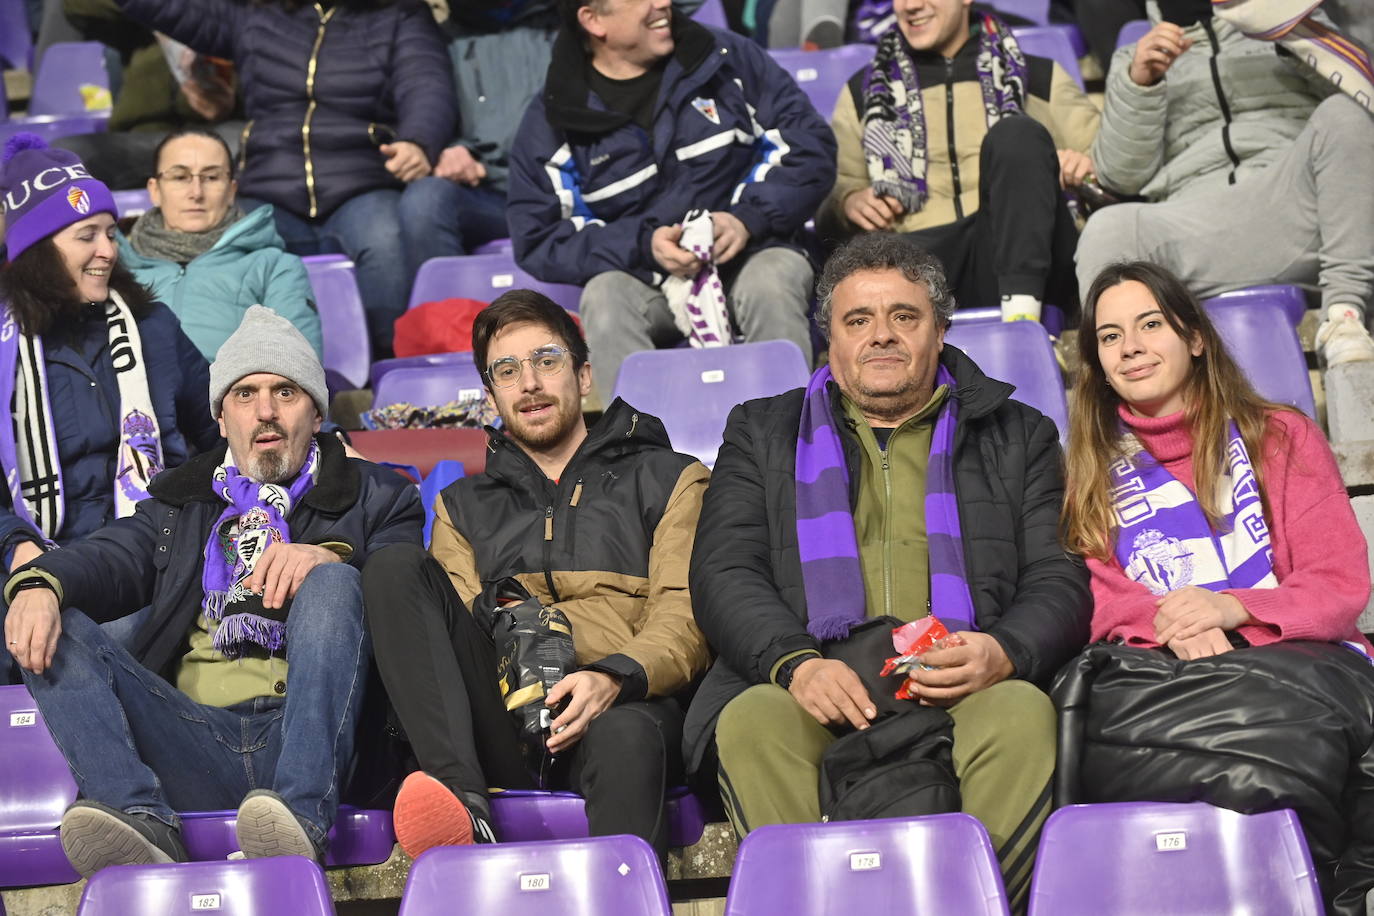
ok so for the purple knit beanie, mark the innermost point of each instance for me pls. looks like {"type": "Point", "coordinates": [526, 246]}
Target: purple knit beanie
{"type": "Point", "coordinates": [45, 190]}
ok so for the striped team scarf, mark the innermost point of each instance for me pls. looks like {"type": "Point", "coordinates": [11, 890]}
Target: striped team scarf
{"type": "Point", "coordinates": [1290, 23]}
{"type": "Point", "coordinates": [1164, 540]}
{"type": "Point", "coordinates": [831, 571]}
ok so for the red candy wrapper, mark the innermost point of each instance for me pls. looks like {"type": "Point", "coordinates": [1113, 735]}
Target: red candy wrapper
{"type": "Point", "coordinates": [912, 640]}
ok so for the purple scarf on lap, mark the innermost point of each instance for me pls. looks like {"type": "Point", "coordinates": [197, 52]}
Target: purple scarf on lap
{"type": "Point", "coordinates": [255, 517]}
{"type": "Point", "coordinates": [831, 572]}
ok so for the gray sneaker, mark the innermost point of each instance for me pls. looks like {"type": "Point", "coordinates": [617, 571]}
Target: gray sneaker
{"type": "Point", "coordinates": [267, 827]}
{"type": "Point", "coordinates": [95, 835]}
{"type": "Point", "coordinates": [1344, 339]}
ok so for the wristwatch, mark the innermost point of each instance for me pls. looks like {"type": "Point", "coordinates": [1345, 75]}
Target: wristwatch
{"type": "Point", "coordinates": [788, 669]}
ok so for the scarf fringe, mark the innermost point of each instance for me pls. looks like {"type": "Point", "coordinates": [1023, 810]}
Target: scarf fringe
{"type": "Point", "coordinates": [237, 631]}
{"type": "Point", "coordinates": [831, 626]}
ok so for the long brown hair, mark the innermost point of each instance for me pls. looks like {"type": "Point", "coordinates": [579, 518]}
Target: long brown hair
{"type": "Point", "coordinates": [1216, 392]}
{"type": "Point", "coordinates": [42, 295]}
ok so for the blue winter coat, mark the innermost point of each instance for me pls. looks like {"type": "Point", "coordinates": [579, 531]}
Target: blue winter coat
{"type": "Point", "coordinates": [85, 404]}
{"type": "Point", "coordinates": [246, 266]}
{"type": "Point", "coordinates": [731, 132]}
{"type": "Point", "coordinates": [311, 139]}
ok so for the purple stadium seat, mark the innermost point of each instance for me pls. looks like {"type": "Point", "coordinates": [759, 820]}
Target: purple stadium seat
{"type": "Point", "coordinates": [66, 67]}
{"type": "Point", "coordinates": [283, 886]}
{"type": "Point", "coordinates": [359, 836]}
{"type": "Point", "coordinates": [428, 386]}
{"type": "Point", "coordinates": [1132, 32]}
{"type": "Point", "coordinates": [1053, 42]}
{"type": "Point", "coordinates": [382, 366]}
{"type": "Point", "coordinates": [524, 816]}
{"type": "Point", "coordinates": [612, 875]}
{"type": "Point", "coordinates": [1051, 317]}
{"type": "Point", "coordinates": [711, 13]}
{"type": "Point", "coordinates": [35, 788]}
{"type": "Point", "coordinates": [16, 38]}
{"type": "Point", "coordinates": [1157, 858]}
{"type": "Point", "coordinates": [495, 246]}
{"type": "Point", "coordinates": [483, 277]}
{"type": "Point", "coordinates": [347, 347]}
{"type": "Point", "coordinates": [1291, 299]}
{"type": "Point", "coordinates": [1018, 352]}
{"type": "Point", "coordinates": [132, 203]}
{"type": "Point", "coordinates": [1035, 11]}
{"type": "Point", "coordinates": [822, 74]}
{"type": "Point", "coordinates": [692, 391]}
{"type": "Point", "coordinates": [1267, 348]}
{"type": "Point", "coordinates": [938, 864]}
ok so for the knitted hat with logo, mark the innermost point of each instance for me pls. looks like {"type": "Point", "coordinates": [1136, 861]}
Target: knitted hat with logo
{"type": "Point", "coordinates": [45, 190]}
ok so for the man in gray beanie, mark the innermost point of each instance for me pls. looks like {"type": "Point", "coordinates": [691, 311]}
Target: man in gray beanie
{"type": "Point", "coordinates": [243, 684]}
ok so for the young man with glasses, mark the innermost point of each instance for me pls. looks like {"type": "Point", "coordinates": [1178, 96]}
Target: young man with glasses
{"type": "Point", "coordinates": [597, 523]}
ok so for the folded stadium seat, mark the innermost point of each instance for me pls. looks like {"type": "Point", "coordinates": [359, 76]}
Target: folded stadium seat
{"type": "Point", "coordinates": [522, 816]}
{"type": "Point", "coordinates": [822, 74]}
{"type": "Point", "coordinates": [444, 473]}
{"type": "Point", "coordinates": [343, 322]}
{"type": "Point", "coordinates": [360, 836]}
{"type": "Point", "coordinates": [429, 385]}
{"type": "Point", "coordinates": [1156, 858]}
{"type": "Point", "coordinates": [711, 13]}
{"type": "Point", "coordinates": [612, 875]}
{"type": "Point", "coordinates": [1018, 352]}
{"type": "Point", "coordinates": [1050, 41]}
{"type": "Point", "coordinates": [1291, 299]}
{"type": "Point", "coordinates": [1051, 317]}
{"type": "Point", "coordinates": [382, 366]}
{"type": "Point", "coordinates": [495, 246]}
{"type": "Point", "coordinates": [483, 277]}
{"type": "Point", "coordinates": [424, 448]}
{"type": "Point", "coordinates": [287, 884]}
{"type": "Point", "coordinates": [938, 864]}
{"type": "Point", "coordinates": [16, 41]}
{"type": "Point", "coordinates": [70, 79]}
{"type": "Point", "coordinates": [1132, 32]}
{"type": "Point", "coordinates": [35, 788]}
{"type": "Point", "coordinates": [1263, 341]}
{"type": "Point", "coordinates": [693, 390]}
{"type": "Point", "coordinates": [132, 203]}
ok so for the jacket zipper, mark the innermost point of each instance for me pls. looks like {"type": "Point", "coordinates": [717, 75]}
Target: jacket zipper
{"type": "Point", "coordinates": [887, 530]}
{"type": "Point", "coordinates": [949, 132]}
{"type": "Point", "coordinates": [310, 107]}
{"type": "Point", "coordinates": [243, 146]}
{"type": "Point", "coordinates": [548, 554]}
{"type": "Point", "coordinates": [475, 71]}
{"type": "Point", "coordinates": [1221, 101]}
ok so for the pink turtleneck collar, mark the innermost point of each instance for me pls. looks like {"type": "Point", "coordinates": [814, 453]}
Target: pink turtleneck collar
{"type": "Point", "coordinates": [1167, 438]}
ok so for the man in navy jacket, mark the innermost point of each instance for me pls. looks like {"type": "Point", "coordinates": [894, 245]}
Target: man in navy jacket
{"type": "Point", "coordinates": [644, 117]}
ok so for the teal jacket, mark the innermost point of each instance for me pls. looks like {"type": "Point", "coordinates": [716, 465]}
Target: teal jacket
{"type": "Point", "coordinates": [246, 266]}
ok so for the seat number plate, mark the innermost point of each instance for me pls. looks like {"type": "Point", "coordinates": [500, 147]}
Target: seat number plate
{"type": "Point", "coordinates": [1171, 842]}
{"type": "Point", "coordinates": [534, 882]}
{"type": "Point", "coordinates": [865, 861]}
{"type": "Point", "coordinates": [205, 901]}
{"type": "Point", "coordinates": [18, 719]}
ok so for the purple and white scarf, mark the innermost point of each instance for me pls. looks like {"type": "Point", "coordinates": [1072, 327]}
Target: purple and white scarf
{"type": "Point", "coordinates": [1164, 540]}
{"type": "Point", "coordinates": [893, 117]}
{"type": "Point", "coordinates": [255, 517]}
{"type": "Point", "coordinates": [28, 445]}
{"type": "Point", "coordinates": [831, 571]}
{"type": "Point", "coordinates": [698, 304]}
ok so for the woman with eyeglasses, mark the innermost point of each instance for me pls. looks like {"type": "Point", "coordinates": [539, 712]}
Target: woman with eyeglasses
{"type": "Point", "coordinates": [199, 253]}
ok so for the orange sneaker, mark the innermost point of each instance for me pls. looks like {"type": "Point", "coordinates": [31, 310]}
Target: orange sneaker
{"type": "Point", "coordinates": [428, 814]}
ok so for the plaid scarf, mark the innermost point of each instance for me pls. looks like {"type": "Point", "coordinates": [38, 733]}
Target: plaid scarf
{"type": "Point", "coordinates": [893, 117]}
{"type": "Point", "coordinates": [1289, 23]}
{"type": "Point", "coordinates": [831, 571]}
{"type": "Point", "coordinates": [255, 517]}
{"type": "Point", "coordinates": [1164, 540]}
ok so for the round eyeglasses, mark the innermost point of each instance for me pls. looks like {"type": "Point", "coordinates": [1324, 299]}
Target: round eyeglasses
{"type": "Point", "coordinates": [505, 372]}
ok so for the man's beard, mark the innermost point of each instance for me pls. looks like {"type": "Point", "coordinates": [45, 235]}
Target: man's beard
{"type": "Point", "coordinates": [566, 414]}
{"type": "Point", "coordinates": [269, 467]}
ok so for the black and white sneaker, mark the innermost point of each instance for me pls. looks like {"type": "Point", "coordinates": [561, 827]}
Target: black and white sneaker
{"type": "Point", "coordinates": [267, 827]}
{"type": "Point", "coordinates": [95, 835]}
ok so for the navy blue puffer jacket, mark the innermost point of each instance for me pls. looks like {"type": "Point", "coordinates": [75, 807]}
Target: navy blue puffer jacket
{"type": "Point", "coordinates": [322, 86]}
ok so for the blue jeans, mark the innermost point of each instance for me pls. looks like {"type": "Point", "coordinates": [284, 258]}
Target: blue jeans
{"type": "Point", "coordinates": [387, 234]}
{"type": "Point", "coordinates": [136, 743]}
{"type": "Point", "coordinates": [471, 216]}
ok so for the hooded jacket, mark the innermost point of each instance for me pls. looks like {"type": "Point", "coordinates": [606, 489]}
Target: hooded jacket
{"type": "Point", "coordinates": [731, 132]}
{"type": "Point", "coordinates": [746, 574]}
{"type": "Point", "coordinates": [607, 543]}
{"type": "Point", "coordinates": [155, 558]}
{"type": "Point", "coordinates": [247, 266]}
{"type": "Point", "coordinates": [321, 89]}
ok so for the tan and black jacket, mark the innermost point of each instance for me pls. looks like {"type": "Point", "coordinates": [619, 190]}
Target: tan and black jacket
{"type": "Point", "coordinates": [609, 544]}
{"type": "Point", "coordinates": [956, 124]}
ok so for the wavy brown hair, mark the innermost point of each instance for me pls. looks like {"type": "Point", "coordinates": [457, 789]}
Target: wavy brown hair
{"type": "Point", "coordinates": [42, 295]}
{"type": "Point", "coordinates": [1216, 391]}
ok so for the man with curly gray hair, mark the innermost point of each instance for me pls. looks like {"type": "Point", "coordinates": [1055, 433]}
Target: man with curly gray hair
{"type": "Point", "coordinates": [900, 484]}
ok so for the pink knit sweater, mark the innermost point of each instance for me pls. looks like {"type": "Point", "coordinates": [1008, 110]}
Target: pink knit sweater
{"type": "Point", "coordinates": [1320, 556]}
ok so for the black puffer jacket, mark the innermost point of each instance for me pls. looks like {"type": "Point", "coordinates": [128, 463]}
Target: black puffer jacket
{"type": "Point", "coordinates": [746, 575]}
{"type": "Point", "coordinates": [157, 555]}
{"type": "Point", "coordinates": [321, 86]}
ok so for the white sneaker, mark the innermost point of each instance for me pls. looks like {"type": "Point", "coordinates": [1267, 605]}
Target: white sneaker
{"type": "Point", "coordinates": [1020, 307]}
{"type": "Point", "coordinates": [1342, 337]}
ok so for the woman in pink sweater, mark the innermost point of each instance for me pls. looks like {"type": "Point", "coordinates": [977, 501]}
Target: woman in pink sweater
{"type": "Point", "coordinates": [1267, 549]}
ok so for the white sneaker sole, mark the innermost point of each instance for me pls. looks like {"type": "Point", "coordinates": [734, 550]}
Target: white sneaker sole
{"type": "Point", "coordinates": [93, 839]}
{"type": "Point", "coordinates": [266, 828]}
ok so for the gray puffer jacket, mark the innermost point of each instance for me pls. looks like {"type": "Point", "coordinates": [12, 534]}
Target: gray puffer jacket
{"type": "Point", "coordinates": [1228, 107]}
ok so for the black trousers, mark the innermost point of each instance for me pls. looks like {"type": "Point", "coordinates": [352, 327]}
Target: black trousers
{"type": "Point", "coordinates": [1101, 22]}
{"type": "Point", "coordinates": [439, 668]}
{"type": "Point", "coordinates": [1022, 239]}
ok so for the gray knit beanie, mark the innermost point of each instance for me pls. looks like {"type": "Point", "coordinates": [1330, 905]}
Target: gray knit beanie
{"type": "Point", "coordinates": [267, 342]}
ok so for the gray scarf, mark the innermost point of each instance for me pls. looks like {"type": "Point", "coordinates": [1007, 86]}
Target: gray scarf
{"type": "Point", "coordinates": [151, 238]}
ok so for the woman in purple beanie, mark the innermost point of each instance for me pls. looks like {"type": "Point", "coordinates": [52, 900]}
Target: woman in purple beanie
{"type": "Point", "coordinates": [105, 388]}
